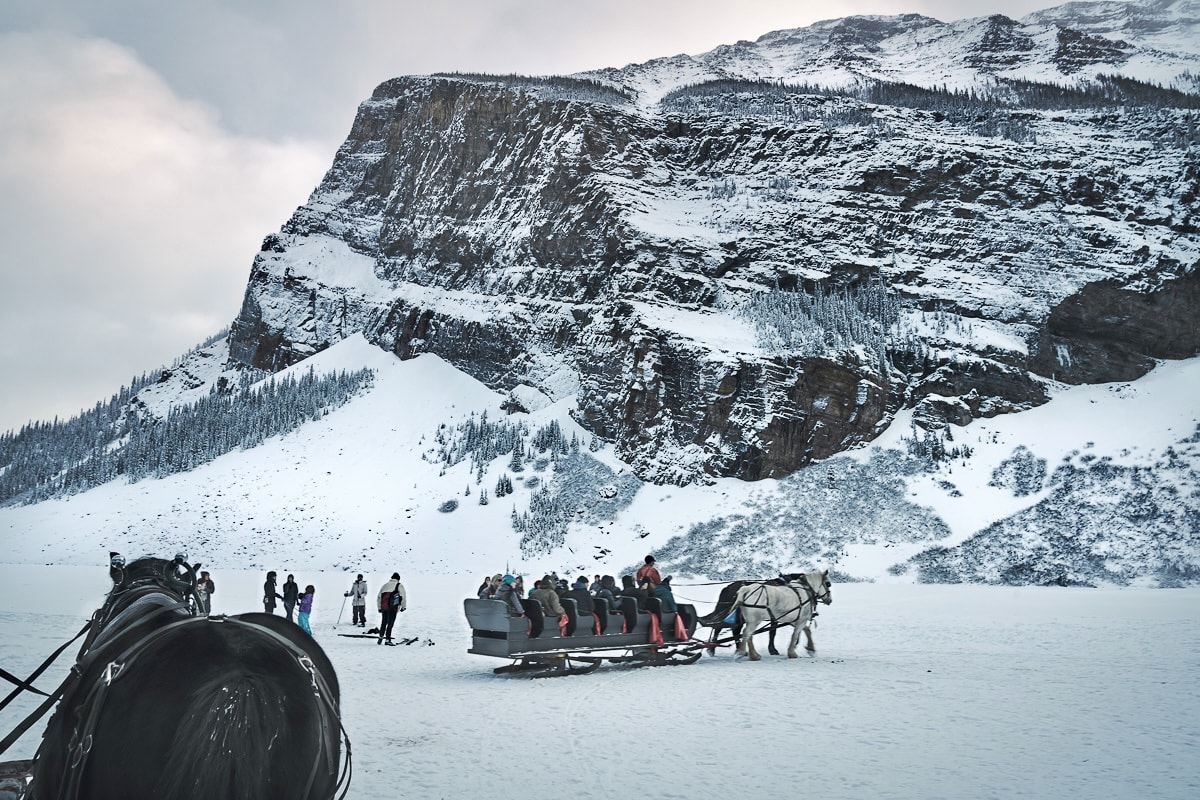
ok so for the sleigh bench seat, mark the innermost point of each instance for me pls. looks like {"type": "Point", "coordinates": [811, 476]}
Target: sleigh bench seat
{"type": "Point", "coordinates": [496, 632]}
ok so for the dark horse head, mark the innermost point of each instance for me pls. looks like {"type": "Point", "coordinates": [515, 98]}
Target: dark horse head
{"type": "Point", "coordinates": [162, 703]}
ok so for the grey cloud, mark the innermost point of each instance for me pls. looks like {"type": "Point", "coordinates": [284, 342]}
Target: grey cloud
{"type": "Point", "coordinates": [129, 220]}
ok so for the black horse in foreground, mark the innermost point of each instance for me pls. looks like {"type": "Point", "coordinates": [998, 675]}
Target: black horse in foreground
{"type": "Point", "coordinates": [716, 620]}
{"type": "Point", "coordinates": [165, 704]}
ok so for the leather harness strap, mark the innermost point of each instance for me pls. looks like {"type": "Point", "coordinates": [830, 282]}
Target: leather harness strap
{"type": "Point", "coordinates": [813, 597]}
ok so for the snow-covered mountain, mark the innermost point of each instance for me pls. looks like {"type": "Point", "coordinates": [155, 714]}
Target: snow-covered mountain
{"type": "Point", "coordinates": [945, 335]}
{"type": "Point", "coordinates": [643, 248]}
{"type": "Point", "coordinates": [1098, 485]}
{"type": "Point", "coordinates": [1150, 40]}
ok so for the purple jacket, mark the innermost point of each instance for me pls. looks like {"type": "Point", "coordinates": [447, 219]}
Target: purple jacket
{"type": "Point", "coordinates": [306, 602]}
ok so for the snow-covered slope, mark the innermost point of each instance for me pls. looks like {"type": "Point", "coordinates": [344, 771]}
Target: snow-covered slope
{"type": "Point", "coordinates": [368, 482]}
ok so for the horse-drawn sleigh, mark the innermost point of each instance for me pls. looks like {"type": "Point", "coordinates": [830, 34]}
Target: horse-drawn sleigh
{"type": "Point", "coordinates": [162, 702]}
{"type": "Point", "coordinates": [624, 633]}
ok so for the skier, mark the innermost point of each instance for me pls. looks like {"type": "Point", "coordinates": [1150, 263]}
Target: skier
{"type": "Point", "coordinates": [392, 599]}
{"type": "Point", "coordinates": [359, 604]}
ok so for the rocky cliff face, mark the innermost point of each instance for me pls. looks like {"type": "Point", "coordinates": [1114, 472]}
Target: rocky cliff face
{"type": "Point", "coordinates": [603, 240]}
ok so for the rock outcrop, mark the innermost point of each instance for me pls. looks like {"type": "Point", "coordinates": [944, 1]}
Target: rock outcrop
{"type": "Point", "coordinates": [591, 237]}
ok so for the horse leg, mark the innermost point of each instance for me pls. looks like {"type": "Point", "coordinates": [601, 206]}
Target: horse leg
{"type": "Point", "coordinates": [751, 621]}
{"type": "Point", "coordinates": [796, 628]}
{"type": "Point", "coordinates": [808, 645]}
{"type": "Point", "coordinates": [771, 641]}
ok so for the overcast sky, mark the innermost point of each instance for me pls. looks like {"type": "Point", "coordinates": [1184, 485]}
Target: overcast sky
{"type": "Point", "coordinates": [147, 147]}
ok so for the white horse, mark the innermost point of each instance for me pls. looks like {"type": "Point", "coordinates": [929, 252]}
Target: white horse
{"type": "Point", "coordinates": [791, 604]}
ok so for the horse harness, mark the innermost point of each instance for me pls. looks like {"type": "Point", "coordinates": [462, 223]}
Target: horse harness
{"type": "Point", "coordinates": [100, 640]}
{"type": "Point", "coordinates": [812, 597]}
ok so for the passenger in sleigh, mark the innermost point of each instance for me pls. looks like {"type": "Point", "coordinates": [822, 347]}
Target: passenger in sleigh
{"type": "Point", "coordinates": [608, 590]}
{"type": "Point", "coordinates": [630, 590]}
{"type": "Point", "coordinates": [509, 593]}
{"type": "Point", "coordinates": [663, 592]}
{"type": "Point", "coordinates": [582, 597]}
{"type": "Point", "coordinates": [545, 594]}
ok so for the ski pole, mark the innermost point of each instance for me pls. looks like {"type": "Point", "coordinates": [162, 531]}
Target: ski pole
{"type": "Point", "coordinates": [341, 612]}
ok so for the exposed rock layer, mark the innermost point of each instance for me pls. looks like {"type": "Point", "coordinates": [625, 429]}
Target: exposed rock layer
{"type": "Point", "coordinates": [604, 249]}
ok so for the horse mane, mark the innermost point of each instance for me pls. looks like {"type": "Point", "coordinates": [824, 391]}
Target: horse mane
{"type": "Point", "coordinates": [225, 717]}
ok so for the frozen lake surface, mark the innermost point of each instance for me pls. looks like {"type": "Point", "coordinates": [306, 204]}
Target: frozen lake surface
{"type": "Point", "coordinates": [916, 691]}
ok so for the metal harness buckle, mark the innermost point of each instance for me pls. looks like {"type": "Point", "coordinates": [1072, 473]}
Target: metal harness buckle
{"type": "Point", "coordinates": [311, 669]}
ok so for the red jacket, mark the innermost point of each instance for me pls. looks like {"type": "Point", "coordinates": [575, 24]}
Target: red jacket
{"type": "Point", "coordinates": [648, 571]}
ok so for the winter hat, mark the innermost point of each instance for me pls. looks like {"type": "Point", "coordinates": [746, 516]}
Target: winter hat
{"type": "Point", "coordinates": [581, 583]}
{"type": "Point", "coordinates": [395, 576]}
{"type": "Point", "coordinates": [507, 579]}
{"type": "Point", "coordinates": [560, 584]}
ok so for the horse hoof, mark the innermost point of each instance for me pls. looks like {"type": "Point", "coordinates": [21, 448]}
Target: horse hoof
{"type": "Point", "coordinates": [792, 655]}
{"type": "Point", "coordinates": [755, 658]}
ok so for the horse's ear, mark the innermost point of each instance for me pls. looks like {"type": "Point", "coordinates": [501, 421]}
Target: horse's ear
{"type": "Point", "coordinates": [825, 574]}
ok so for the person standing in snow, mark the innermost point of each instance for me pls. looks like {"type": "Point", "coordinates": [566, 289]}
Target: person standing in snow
{"type": "Point", "coordinates": [291, 592]}
{"type": "Point", "coordinates": [269, 594]}
{"type": "Point", "coordinates": [306, 603]}
{"type": "Point", "coordinates": [205, 589]}
{"type": "Point", "coordinates": [392, 600]}
{"type": "Point", "coordinates": [358, 606]}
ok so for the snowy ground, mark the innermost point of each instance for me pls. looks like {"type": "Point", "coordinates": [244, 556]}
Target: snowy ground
{"type": "Point", "coordinates": [916, 691]}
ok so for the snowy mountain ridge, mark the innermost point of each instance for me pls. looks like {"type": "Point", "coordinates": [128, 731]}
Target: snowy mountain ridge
{"type": "Point", "coordinates": [1068, 44]}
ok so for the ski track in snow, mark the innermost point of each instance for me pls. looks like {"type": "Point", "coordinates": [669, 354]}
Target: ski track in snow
{"type": "Point", "coordinates": [916, 691]}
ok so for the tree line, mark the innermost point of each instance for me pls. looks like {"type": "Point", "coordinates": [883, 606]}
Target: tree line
{"type": "Point", "coordinates": [121, 439]}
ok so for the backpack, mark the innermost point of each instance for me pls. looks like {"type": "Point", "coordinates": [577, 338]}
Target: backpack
{"type": "Point", "coordinates": [393, 601]}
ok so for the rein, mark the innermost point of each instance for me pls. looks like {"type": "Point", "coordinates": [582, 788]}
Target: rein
{"type": "Point", "coordinates": [27, 684]}
{"type": "Point", "coordinates": [51, 698]}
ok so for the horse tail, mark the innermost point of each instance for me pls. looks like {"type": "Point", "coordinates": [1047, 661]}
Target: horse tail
{"type": "Point", "coordinates": [220, 748]}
